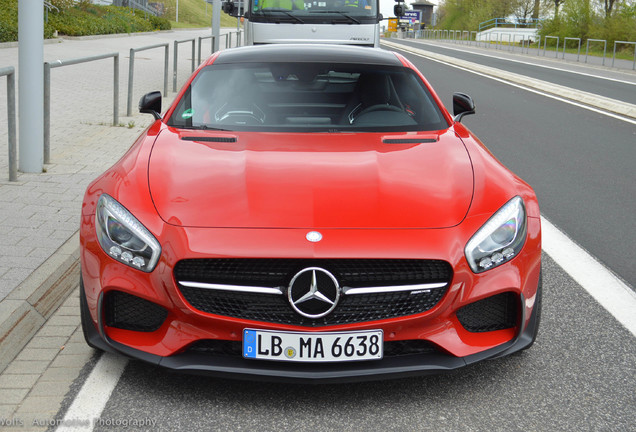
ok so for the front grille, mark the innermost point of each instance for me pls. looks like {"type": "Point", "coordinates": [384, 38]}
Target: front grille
{"type": "Point", "coordinates": [278, 272]}
{"type": "Point", "coordinates": [129, 312]}
{"type": "Point", "coordinates": [493, 313]}
{"type": "Point", "coordinates": [225, 348]}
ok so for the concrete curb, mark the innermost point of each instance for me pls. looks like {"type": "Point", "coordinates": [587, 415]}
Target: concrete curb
{"type": "Point", "coordinates": [600, 102]}
{"type": "Point", "coordinates": [32, 303]}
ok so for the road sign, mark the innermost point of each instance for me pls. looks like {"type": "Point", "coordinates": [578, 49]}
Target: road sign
{"type": "Point", "coordinates": [412, 16]}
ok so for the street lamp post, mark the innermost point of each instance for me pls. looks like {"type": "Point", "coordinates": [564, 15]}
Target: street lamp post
{"type": "Point", "coordinates": [31, 84]}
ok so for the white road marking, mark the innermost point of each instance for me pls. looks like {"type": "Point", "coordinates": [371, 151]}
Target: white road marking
{"type": "Point", "coordinates": [94, 394]}
{"type": "Point", "coordinates": [606, 288]}
{"type": "Point", "coordinates": [532, 64]}
{"type": "Point", "coordinates": [503, 81]}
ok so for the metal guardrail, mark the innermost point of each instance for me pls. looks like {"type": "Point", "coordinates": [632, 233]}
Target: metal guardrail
{"type": "Point", "coordinates": [9, 72]}
{"type": "Point", "coordinates": [498, 38]}
{"type": "Point", "coordinates": [131, 72]}
{"type": "Point", "coordinates": [176, 58]}
{"type": "Point", "coordinates": [47, 93]}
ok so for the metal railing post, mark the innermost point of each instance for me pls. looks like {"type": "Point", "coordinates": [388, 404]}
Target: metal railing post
{"type": "Point", "coordinates": [565, 42]}
{"type": "Point", "coordinates": [628, 43]}
{"type": "Point", "coordinates": [116, 89]}
{"type": "Point", "coordinates": [587, 47]}
{"type": "Point", "coordinates": [545, 45]}
{"type": "Point", "coordinates": [165, 69]}
{"type": "Point", "coordinates": [9, 72]}
{"type": "Point", "coordinates": [131, 74]}
{"type": "Point", "coordinates": [175, 54]}
{"type": "Point", "coordinates": [47, 113]}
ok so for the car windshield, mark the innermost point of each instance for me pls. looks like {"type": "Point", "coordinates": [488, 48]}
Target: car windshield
{"type": "Point", "coordinates": [326, 10]}
{"type": "Point", "coordinates": [307, 97]}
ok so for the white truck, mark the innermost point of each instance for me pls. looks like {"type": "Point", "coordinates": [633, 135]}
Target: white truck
{"type": "Point", "coordinates": [350, 22]}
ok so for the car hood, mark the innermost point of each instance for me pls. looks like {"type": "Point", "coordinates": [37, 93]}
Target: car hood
{"type": "Point", "coordinates": [310, 180]}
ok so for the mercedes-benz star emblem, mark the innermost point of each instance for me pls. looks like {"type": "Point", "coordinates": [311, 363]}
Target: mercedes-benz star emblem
{"type": "Point", "coordinates": [313, 236]}
{"type": "Point", "coordinates": [313, 292]}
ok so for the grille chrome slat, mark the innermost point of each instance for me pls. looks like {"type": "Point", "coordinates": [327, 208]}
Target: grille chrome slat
{"type": "Point", "coordinates": [236, 288]}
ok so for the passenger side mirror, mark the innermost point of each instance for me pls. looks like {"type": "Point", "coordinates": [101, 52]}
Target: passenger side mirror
{"type": "Point", "coordinates": [150, 103]}
{"type": "Point", "coordinates": [462, 105]}
{"type": "Point", "coordinates": [398, 10]}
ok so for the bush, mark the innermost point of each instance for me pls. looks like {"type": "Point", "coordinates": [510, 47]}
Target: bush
{"type": "Point", "coordinates": [81, 19]}
{"type": "Point", "coordinates": [160, 23]}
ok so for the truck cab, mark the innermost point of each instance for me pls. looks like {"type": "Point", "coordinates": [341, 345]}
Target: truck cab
{"type": "Point", "coordinates": [345, 22]}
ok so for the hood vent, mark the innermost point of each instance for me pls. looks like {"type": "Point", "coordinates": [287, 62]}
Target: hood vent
{"type": "Point", "coordinates": [408, 140]}
{"type": "Point", "coordinates": [210, 139]}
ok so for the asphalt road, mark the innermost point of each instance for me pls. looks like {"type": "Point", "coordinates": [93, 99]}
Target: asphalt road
{"type": "Point", "coordinates": [578, 376]}
{"type": "Point", "coordinates": [580, 163]}
{"type": "Point", "coordinates": [594, 81]}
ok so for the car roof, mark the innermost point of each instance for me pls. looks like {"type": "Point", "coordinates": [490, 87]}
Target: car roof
{"type": "Point", "coordinates": [303, 53]}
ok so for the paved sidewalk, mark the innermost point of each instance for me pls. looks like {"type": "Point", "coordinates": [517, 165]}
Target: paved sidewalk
{"type": "Point", "coordinates": [36, 382]}
{"type": "Point", "coordinates": [39, 214]}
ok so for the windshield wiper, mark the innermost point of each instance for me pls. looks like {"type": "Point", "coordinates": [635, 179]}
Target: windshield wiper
{"type": "Point", "coordinates": [200, 127]}
{"type": "Point", "coordinates": [284, 11]}
{"type": "Point", "coordinates": [346, 15]}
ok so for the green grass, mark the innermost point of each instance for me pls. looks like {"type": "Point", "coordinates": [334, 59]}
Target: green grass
{"type": "Point", "coordinates": [192, 14]}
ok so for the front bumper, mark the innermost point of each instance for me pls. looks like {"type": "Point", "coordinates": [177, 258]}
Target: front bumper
{"type": "Point", "coordinates": [239, 368]}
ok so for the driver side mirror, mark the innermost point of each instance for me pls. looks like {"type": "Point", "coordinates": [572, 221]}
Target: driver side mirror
{"type": "Point", "coordinates": [398, 10]}
{"type": "Point", "coordinates": [150, 103]}
{"type": "Point", "coordinates": [463, 105]}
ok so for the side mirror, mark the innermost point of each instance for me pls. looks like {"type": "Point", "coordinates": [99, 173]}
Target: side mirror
{"type": "Point", "coordinates": [462, 105]}
{"type": "Point", "coordinates": [398, 10]}
{"type": "Point", "coordinates": [150, 103]}
{"type": "Point", "coordinates": [380, 17]}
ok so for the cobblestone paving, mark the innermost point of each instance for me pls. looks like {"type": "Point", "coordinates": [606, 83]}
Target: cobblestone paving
{"type": "Point", "coordinates": [33, 387]}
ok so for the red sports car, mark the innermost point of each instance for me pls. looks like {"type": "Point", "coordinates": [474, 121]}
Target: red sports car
{"type": "Point", "coordinates": [310, 213]}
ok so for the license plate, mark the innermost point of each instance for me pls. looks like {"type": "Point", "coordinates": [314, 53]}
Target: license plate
{"type": "Point", "coordinates": [312, 347]}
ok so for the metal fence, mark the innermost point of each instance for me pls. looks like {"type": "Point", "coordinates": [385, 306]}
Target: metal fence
{"type": "Point", "coordinates": [513, 43]}
{"type": "Point", "coordinates": [9, 72]}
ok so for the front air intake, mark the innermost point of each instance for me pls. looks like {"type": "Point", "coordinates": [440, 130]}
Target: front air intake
{"type": "Point", "coordinates": [493, 313]}
{"type": "Point", "coordinates": [129, 312]}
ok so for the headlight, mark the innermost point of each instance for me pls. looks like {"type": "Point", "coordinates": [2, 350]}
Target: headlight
{"type": "Point", "coordinates": [123, 237]}
{"type": "Point", "coordinates": [500, 239]}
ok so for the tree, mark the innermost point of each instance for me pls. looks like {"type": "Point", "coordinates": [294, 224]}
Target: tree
{"type": "Point", "coordinates": [558, 3]}
{"type": "Point", "coordinates": [608, 5]}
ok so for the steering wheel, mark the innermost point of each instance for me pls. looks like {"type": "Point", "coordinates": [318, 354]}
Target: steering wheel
{"type": "Point", "coordinates": [379, 107]}
{"type": "Point", "coordinates": [242, 117]}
